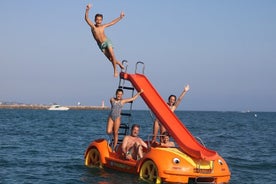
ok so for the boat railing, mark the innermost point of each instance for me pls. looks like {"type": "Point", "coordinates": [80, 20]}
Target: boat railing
{"type": "Point", "coordinates": [200, 141]}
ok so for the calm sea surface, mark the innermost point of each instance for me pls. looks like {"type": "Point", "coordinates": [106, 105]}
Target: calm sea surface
{"type": "Point", "coordinates": [40, 146]}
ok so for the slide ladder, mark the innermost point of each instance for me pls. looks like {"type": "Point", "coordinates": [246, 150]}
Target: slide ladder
{"type": "Point", "coordinates": [126, 114]}
{"type": "Point", "coordinates": [186, 141]}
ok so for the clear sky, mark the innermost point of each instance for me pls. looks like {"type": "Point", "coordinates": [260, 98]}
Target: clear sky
{"type": "Point", "coordinates": [225, 50]}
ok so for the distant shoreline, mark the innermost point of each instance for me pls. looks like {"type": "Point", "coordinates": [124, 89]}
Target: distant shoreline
{"type": "Point", "coordinates": [45, 107]}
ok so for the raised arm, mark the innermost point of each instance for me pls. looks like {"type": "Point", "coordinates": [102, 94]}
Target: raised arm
{"type": "Point", "coordinates": [133, 98]}
{"type": "Point", "coordinates": [89, 22]}
{"type": "Point", "coordinates": [179, 99]}
{"type": "Point", "coordinates": [115, 20]}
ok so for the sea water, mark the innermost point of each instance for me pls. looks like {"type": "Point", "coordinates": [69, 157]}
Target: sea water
{"type": "Point", "coordinates": [40, 146]}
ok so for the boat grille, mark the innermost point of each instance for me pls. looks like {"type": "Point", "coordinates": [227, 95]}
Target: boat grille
{"type": "Point", "coordinates": [202, 180]}
{"type": "Point", "coordinates": [203, 171]}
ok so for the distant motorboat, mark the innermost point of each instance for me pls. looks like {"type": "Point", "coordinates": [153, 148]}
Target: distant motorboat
{"type": "Point", "coordinates": [58, 108]}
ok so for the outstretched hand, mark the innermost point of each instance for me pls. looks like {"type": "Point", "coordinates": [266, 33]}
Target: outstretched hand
{"type": "Point", "coordinates": [187, 88]}
{"type": "Point", "coordinates": [89, 6]}
{"type": "Point", "coordinates": [122, 14]}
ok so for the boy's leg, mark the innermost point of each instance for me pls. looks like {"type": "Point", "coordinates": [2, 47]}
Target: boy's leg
{"type": "Point", "coordinates": [109, 57]}
{"type": "Point", "coordinates": [113, 58]}
{"type": "Point", "coordinates": [109, 53]}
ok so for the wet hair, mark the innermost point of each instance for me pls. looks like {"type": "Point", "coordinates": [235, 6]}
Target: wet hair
{"type": "Point", "coordinates": [171, 96]}
{"type": "Point", "coordinates": [98, 15]}
{"type": "Point", "coordinates": [119, 90]}
{"type": "Point", "coordinates": [135, 125]}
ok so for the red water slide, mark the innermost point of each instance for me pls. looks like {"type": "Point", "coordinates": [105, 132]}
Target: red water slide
{"type": "Point", "coordinates": [169, 120]}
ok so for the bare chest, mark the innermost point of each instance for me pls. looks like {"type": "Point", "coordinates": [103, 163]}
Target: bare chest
{"type": "Point", "coordinates": [98, 34]}
{"type": "Point", "coordinates": [132, 141]}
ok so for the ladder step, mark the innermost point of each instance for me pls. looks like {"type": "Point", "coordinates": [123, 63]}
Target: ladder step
{"type": "Point", "coordinates": [121, 133]}
{"type": "Point", "coordinates": [125, 87]}
{"type": "Point", "coordinates": [120, 141]}
{"type": "Point", "coordinates": [124, 126]}
{"type": "Point", "coordinates": [125, 114]}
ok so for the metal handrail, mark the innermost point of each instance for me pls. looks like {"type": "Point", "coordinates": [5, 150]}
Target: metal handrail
{"type": "Point", "coordinates": [125, 64]}
{"type": "Point", "coordinates": [143, 69]}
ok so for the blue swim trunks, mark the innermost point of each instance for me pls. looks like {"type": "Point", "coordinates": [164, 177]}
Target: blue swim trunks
{"type": "Point", "coordinates": [107, 43]}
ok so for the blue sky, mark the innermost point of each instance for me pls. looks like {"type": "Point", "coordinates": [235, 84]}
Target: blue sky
{"type": "Point", "coordinates": [225, 50]}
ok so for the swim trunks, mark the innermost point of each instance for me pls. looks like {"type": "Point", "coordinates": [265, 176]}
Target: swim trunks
{"type": "Point", "coordinates": [116, 108]}
{"type": "Point", "coordinates": [107, 43]}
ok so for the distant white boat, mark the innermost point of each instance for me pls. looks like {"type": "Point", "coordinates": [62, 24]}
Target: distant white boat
{"type": "Point", "coordinates": [58, 108]}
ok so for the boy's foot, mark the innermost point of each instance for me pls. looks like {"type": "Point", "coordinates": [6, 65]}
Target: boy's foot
{"type": "Point", "coordinates": [121, 65]}
{"type": "Point", "coordinates": [116, 73]}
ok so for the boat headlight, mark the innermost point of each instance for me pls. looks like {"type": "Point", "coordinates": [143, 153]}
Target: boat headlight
{"type": "Point", "coordinates": [176, 160]}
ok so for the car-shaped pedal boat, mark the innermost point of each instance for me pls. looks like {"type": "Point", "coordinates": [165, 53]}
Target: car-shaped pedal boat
{"type": "Point", "coordinates": [159, 164]}
{"type": "Point", "coordinates": [190, 162]}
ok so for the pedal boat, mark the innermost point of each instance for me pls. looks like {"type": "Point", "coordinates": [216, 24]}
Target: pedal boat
{"type": "Point", "coordinates": [159, 164]}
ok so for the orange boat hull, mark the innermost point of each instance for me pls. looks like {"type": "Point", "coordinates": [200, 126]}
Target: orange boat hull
{"type": "Point", "coordinates": [159, 164]}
